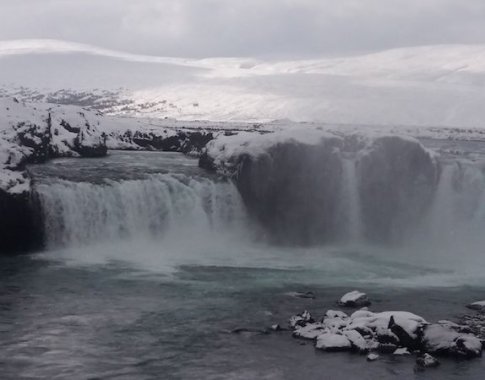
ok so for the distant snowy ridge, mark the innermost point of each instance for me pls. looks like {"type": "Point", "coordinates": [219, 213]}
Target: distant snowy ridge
{"type": "Point", "coordinates": [432, 62]}
{"type": "Point", "coordinates": [439, 85]}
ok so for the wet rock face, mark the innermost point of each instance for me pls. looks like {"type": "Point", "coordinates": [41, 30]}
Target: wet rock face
{"type": "Point", "coordinates": [20, 229]}
{"type": "Point", "coordinates": [398, 179]}
{"type": "Point", "coordinates": [293, 191]}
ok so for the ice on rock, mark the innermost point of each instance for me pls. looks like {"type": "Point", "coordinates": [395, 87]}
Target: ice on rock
{"type": "Point", "coordinates": [333, 342]}
{"type": "Point", "coordinates": [354, 299]}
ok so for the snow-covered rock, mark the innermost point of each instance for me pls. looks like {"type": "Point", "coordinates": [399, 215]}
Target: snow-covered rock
{"type": "Point", "coordinates": [301, 320]}
{"type": "Point", "coordinates": [36, 132]}
{"type": "Point", "coordinates": [389, 332]}
{"type": "Point", "coordinates": [401, 351]}
{"type": "Point", "coordinates": [372, 357]}
{"type": "Point", "coordinates": [445, 340]}
{"type": "Point", "coordinates": [308, 294]}
{"type": "Point", "coordinates": [479, 305]}
{"type": "Point", "coordinates": [427, 361]}
{"type": "Point", "coordinates": [354, 299]}
{"type": "Point", "coordinates": [333, 342]}
{"type": "Point", "coordinates": [356, 339]}
{"type": "Point", "coordinates": [474, 324]}
{"type": "Point", "coordinates": [336, 314]}
{"type": "Point", "coordinates": [310, 331]}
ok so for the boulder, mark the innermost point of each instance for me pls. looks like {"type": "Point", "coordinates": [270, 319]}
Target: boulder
{"type": "Point", "coordinates": [310, 331]}
{"type": "Point", "coordinates": [357, 340]}
{"type": "Point", "coordinates": [427, 361]}
{"type": "Point", "coordinates": [301, 320]}
{"type": "Point", "coordinates": [372, 357]}
{"type": "Point", "coordinates": [354, 299]}
{"type": "Point", "coordinates": [401, 351]}
{"type": "Point", "coordinates": [444, 340]}
{"type": "Point", "coordinates": [479, 306]}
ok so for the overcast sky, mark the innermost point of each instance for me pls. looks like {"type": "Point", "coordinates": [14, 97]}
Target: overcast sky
{"type": "Point", "coordinates": [258, 28]}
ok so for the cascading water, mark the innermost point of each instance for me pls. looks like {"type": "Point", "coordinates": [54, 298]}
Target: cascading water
{"type": "Point", "coordinates": [351, 201]}
{"type": "Point", "coordinates": [457, 207]}
{"type": "Point", "coordinates": [441, 219]}
{"type": "Point", "coordinates": [79, 213]}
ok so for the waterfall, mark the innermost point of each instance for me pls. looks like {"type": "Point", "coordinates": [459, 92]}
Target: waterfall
{"type": "Point", "coordinates": [457, 211]}
{"type": "Point", "coordinates": [161, 206]}
{"type": "Point", "coordinates": [442, 213]}
{"type": "Point", "coordinates": [351, 201]}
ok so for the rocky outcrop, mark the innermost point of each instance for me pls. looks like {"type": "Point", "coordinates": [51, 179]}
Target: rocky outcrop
{"type": "Point", "coordinates": [188, 142]}
{"type": "Point", "coordinates": [297, 184]}
{"type": "Point", "coordinates": [389, 332]}
{"type": "Point", "coordinates": [33, 134]}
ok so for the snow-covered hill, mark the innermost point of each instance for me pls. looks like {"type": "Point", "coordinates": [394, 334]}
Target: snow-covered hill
{"type": "Point", "coordinates": [429, 85]}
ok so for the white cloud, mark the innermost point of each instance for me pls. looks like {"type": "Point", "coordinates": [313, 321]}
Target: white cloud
{"type": "Point", "coordinates": [245, 27]}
